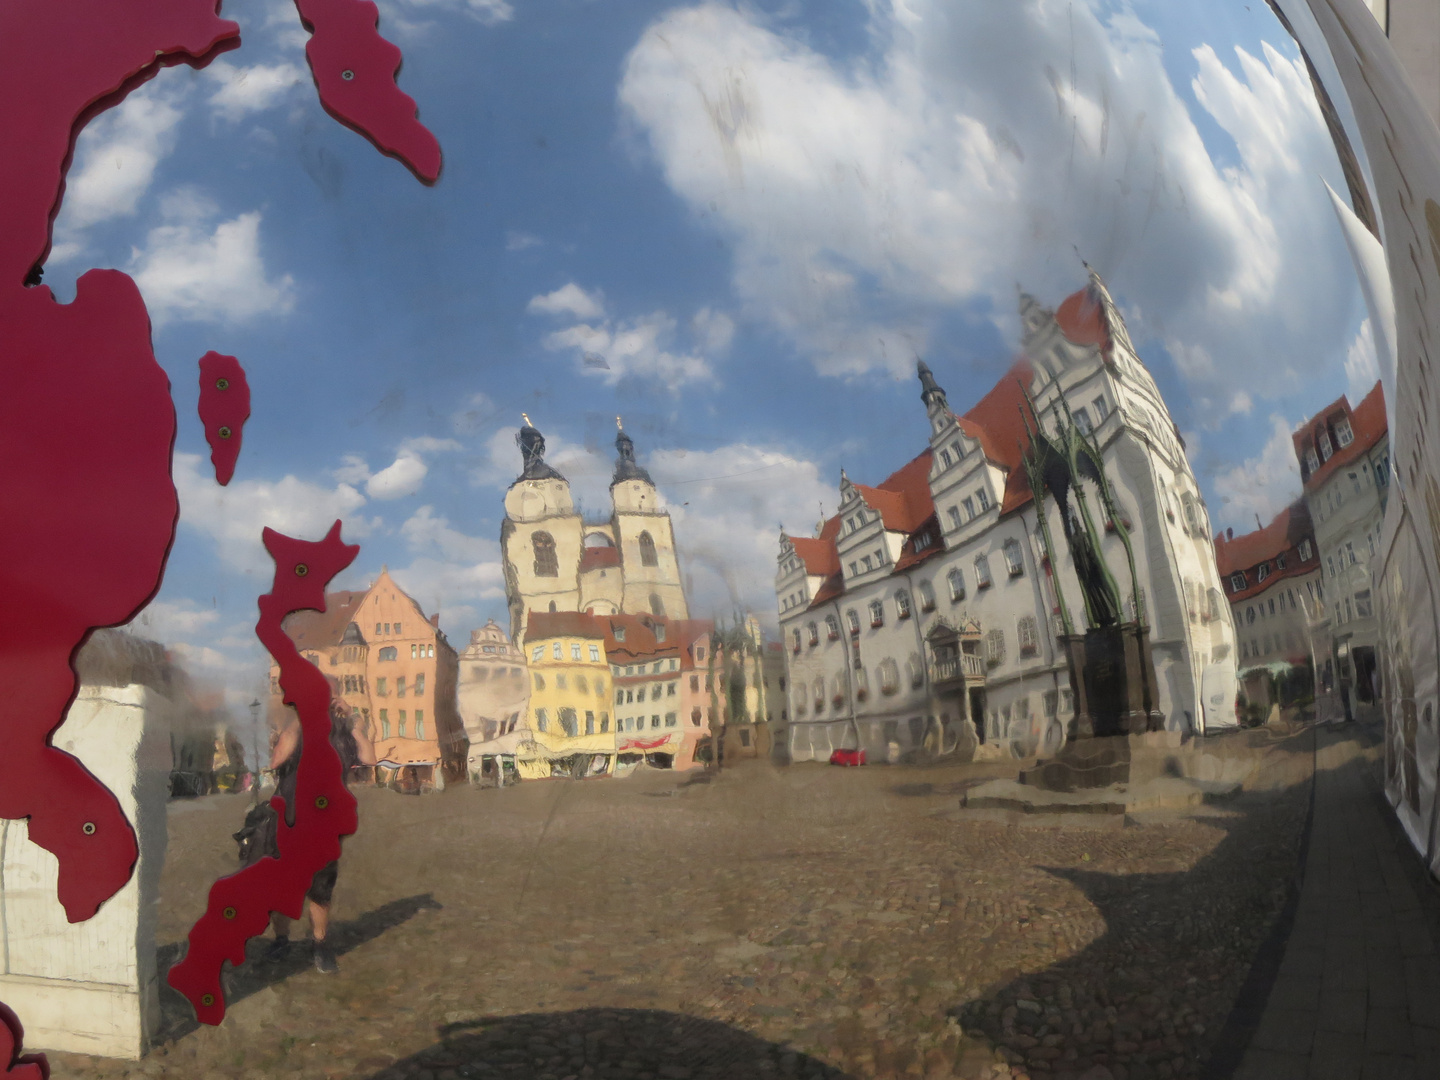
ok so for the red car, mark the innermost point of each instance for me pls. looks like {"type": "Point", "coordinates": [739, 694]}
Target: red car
{"type": "Point", "coordinates": [848, 757]}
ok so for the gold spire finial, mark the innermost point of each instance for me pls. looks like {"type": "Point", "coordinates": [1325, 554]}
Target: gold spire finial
{"type": "Point", "coordinates": [526, 418]}
{"type": "Point", "coordinates": [618, 425]}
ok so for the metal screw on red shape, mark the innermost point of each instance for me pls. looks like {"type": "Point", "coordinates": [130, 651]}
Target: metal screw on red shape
{"type": "Point", "coordinates": [347, 74]}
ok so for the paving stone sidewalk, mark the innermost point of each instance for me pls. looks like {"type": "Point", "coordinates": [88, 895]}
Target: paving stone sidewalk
{"type": "Point", "coordinates": [1357, 994]}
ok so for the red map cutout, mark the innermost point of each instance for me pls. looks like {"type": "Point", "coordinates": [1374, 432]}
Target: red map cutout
{"type": "Point", "coordinates": [355, 69]}
{"type": "Point", "coordinates": [239, 906]}
{"type": "Point", "coordinates": [20, 1066]}
{"type": "Point", "coordinates": [224, 408]}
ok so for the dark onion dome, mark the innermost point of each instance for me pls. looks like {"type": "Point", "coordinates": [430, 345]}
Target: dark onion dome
{"type": "Point", "coordinates": [532, 450]}
{"type": "Point", "coordinates": [625, 466]}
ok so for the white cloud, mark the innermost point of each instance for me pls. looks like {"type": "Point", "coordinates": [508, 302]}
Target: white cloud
{"type": "Point", "coordinates": [569, 299]}
{"type": "Point", "coordinates": [865, 201]}
{"type": "Point", "coordinates": [473, 415]}
{"type": "Point", "coordinates": [451, 571]}
{"type": "Point", "coordinates": [515, 240]}
{"type": "Point", "coordinates": [632, 348]}
{"type": "Point", "coordinates": [404, 476]}
{"type": "Point", "coordinates": [246, 90]}
{"type": "Point", "coordinates": [191, 271]}
{"type": "Point", "coordinates": [172, 621]}
{"type": "Point", "coordinates": [1262, 485]}
{"type": "Point", "coordinates": [234, 516]}
{"type": "Point", "coordinates": [485, 12]}
{"type": "Point", "coordinates": [728, 506]}
{"type": "Point", "coordinates": [115, 161]}
{"type": "Point", "coordinates": [714, 330]}
{"type": "Point", "coordinates": [1362, 365]}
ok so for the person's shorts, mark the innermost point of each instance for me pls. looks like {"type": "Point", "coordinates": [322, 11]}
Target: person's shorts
{"type": "Point", "coordinates": [322, 885]}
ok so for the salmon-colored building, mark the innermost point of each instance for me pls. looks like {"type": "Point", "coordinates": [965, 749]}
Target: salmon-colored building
{"type": "Point", "coordinates": [394, 668]}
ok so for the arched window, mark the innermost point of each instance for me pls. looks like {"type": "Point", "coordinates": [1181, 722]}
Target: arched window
{"type": "Point", "coordinates": [877, 613]}
{"type": "Point", "coordinates": [916, 670]}
{"type": "Point", "coordinates": [388, 653]}
{"type": "Point", "coordinates": [995, 647]}
{"type": "Point", "coordinates": [927, 596]}
{"type": "Point", "coordinates": [854, 621]}
{"type": "Point", "coordinates": [902, 604]}
{"type": "Point", "coordinates": [889, 676]}
{"type": "Point", "coordinates": [956, 581]}
{"type": "Point", "coordinates": [982, 572]}
{"type": "Point", "coordinates": [647, 550]}
{"type": "Point", "coordinates": [819, 694]}
{"type": "Point", "coordinates": [814, 633]}
{"type": "Point", "coordinates": [1028, 631]}
{"type": "Point", "coordinates": [862, 684]}
{"type": "Point", "coordinates": [546, 564]}
{"type": "Point", "coordinates": [837, 694]}
{"type": "Point", "coordinates": [832, 626]}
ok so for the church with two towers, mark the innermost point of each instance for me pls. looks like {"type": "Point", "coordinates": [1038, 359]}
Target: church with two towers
{"type": "Point", "coordinates": [555, 560]}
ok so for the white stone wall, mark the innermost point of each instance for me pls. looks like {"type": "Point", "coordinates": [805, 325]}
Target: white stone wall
{"type": "Point", "coordinates": [92, 987]}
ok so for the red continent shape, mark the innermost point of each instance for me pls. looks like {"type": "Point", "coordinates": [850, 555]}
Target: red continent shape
{"type": "Point", "coordinates": [224, 408]}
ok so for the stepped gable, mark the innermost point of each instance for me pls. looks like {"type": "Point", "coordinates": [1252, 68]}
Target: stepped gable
{"type": "Point", "coordinates": [995, 423]}
{"type": "Point", "coordinates": [1081, 318]}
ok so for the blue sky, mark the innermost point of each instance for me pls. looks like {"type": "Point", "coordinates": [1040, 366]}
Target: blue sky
{"type": "Point", "coordinates": [750, 218]}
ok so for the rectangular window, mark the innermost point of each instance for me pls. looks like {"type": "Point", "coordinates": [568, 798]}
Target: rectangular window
{"type": "Point", "coordinates": [595, 654]}
{"type": "Point", "coordinates": [630, 695]}
{"type": "Point", "coordinates": [945, 458]}
{"type": "Point", "coordinates": [384, 724]}
{"type": "Point", "coordinates": [1350, 550]}
{"type": "Point", "coordinates": [557, 651]}
{"type": "Point", "coordinates": [589, 722]}
{"type": "Point", "coordinates": [865, 562]}
{"type": "Point", "coordinates": [854, 569]}
{"type": "Point", "coordinates": [414, 652]}
{"type": "Point", "coordinates": [1280, 561]}
{"type": "Point", "coordinates": [419, 723]}
{"type": "Point", "coordinates": [619, 697]}
{"type": "Point", "coordinates": [1305, 550]}
{"type": "Point", "coordinates": [670, 689]}
{"type": "Point", "coordinates": [655, 721]}
{"type": "Point", "coordinates": [984, 497]}
{"type": "Point", "coordinates": [561, 683]}
{"type": "Point", "coordinates": [969, 505]}
{"type": "Point", "coordinates": [400, 686]}
{"type": "Point", "coordinates": [955, 521]}
{"type": "Point", "coordinates": [694, 684]}
{"type": "Point", "coordinates": [1363, 606]}
{"type": "Point", "coordinates": [380, 687]}
{"type": "Point", "coordinates": [574, 650]}
{"type": "Point", "coordinates": [402, 723]}
{"type": "Point", "coordinates": [1082, 421]}
{"type": "Point", "coordinates": [397, 629]}
{"type": "Point", "coordinates": [669, 719]}
{"type": "Point", "coordinates": [387, 628]}
{"type": "Point", "coordinates": [377, 629]}
{"type": "Point", "coordinates": [541, 720]}
{"type": "Point", "coordinates": [419, 684]}
{"type": "Point", "coordinates": [1102, 410]}
{"type": "Point", "coordinates": [538, 654]}
{"type": "Point", "coordinates": [604, 723]}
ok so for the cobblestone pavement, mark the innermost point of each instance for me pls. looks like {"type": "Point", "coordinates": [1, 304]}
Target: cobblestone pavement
{"type": "Point", "coordinates": [806, 922]}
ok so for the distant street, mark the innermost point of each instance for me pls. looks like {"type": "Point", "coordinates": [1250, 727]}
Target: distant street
{"type": "Point", "coordinates": [804, 922]}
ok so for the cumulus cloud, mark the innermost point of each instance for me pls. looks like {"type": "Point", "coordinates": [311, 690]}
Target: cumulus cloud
{"type": "Point", "coordinates": [451, 570]}
{"type": "Point", "coordinates": [569, 299]}
{"type": "Point", "coordinates": [1262, 486]}
{"type": "Point", "coordinates": [633, 349]}
{"type": "Point", "coordinates": [404, 476]}
{"type": "Point", "coordinates": [866, 201]}
{"type": "Point", "coordinates": [194, 268]}
{"type": "Point", "coordinates": [234, 516]}
{"type": "Point", "coordinates": [170, 621]}
{"type": "Point", "coordinates": [728, 506]}
{"type": "Point", "coordinates": [1362, 365]}
{"type": "Point", "coordinates": [115, 161]}
{"type": "Point", "coordinates": [515, 240]}
{"type": "Point", "coordinates": [588, 470]}
{"type": "Point", "coordinates": [246, 90]}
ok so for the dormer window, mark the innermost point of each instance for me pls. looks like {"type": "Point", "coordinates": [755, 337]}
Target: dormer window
{"type": "Point", "coordinates": [1344, 436]}
{"type": "Point", "coordinates": [1280, 561]}
{"type": "Point", "coordinates": [1262, 572]}
{"type": "Point", "coordinates": [1237, 582]}
{"type": "Point", "coordinates": [1312, 461]}
{"type": "Point", "coordinates": [1325, 448]}
{"type": "Point", "coordinates": [1306, 551]}
{"type": "Point", "coordinates": [619, 633]}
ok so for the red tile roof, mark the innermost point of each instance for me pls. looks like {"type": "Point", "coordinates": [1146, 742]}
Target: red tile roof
{"type": "Point", "coordinates": [1367, 424]}
{"type": "Point", "coordinates": [818, 555]}
{"type": "Point", "coordinates": [599, 558]}
{"type": "Point", "coordinates": [1282, 536]}
{"type": "Point", "coordinates": [1082, 319]}
{"type": "Point", "coordinates": [553, 624]}
{"type": "Point", "coordinates": [903, 498]}
{"type": "Point", "coordinates": [995, 420]}
{"type": "Point", "coordinates": [642, 643]}
{"type": "Point", "coordinates": [914, 552]}
{"type": "Point", "coordinates": [322, 629]}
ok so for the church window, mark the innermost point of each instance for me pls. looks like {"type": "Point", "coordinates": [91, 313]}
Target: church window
{"type": "Point", "coordinates": [956, 580]}
{"type": "Point", "coordinates": [546, 564]}
{"type": "Point", "coordinates": [657, 608]}
{"type": "Point", "coordinates": [1014, 561]}
{"type": "Point", "coordinates": [647, 550]}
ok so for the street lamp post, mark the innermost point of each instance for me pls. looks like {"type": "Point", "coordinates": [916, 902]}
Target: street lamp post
{"type": "Point", "coordinates": [255, 741]}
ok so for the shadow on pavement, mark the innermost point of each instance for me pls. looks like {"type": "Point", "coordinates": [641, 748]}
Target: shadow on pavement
{"type": "Point", "coordinates": [177, 1018]}
{"type": "Point", "coordinates": [1158, 995]}
{"type": "Point", "coordinates": [607, 1043]}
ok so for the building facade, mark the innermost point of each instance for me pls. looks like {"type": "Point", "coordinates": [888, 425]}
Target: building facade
{"type": "Point", "coordinates": [926, 615]}
{"type": "Point", "coordinates": [494, 688]}
{"type": "Point", "coordinates": [555, 561]}
{"type": "Point", "coordinates": [1344, 457]}
{"type": "Point", "coordinates": [568, 715]}
{"type": "Point", "coordinates": [1273, 584]}
{"type": "Point", "coordinates": [393, 667]}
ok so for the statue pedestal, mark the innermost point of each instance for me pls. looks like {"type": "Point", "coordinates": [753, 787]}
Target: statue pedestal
{"type": "Point", "coordinates": [1112, 674]}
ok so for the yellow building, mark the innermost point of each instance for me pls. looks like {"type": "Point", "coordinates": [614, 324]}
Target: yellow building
{"type": "Point", "coordinates": [568, 716]}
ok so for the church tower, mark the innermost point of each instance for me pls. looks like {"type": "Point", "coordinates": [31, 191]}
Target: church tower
{"type": "Point", "coordinates": [540, 539]}
{"type": "Point", "coordinates": [645, 538]}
